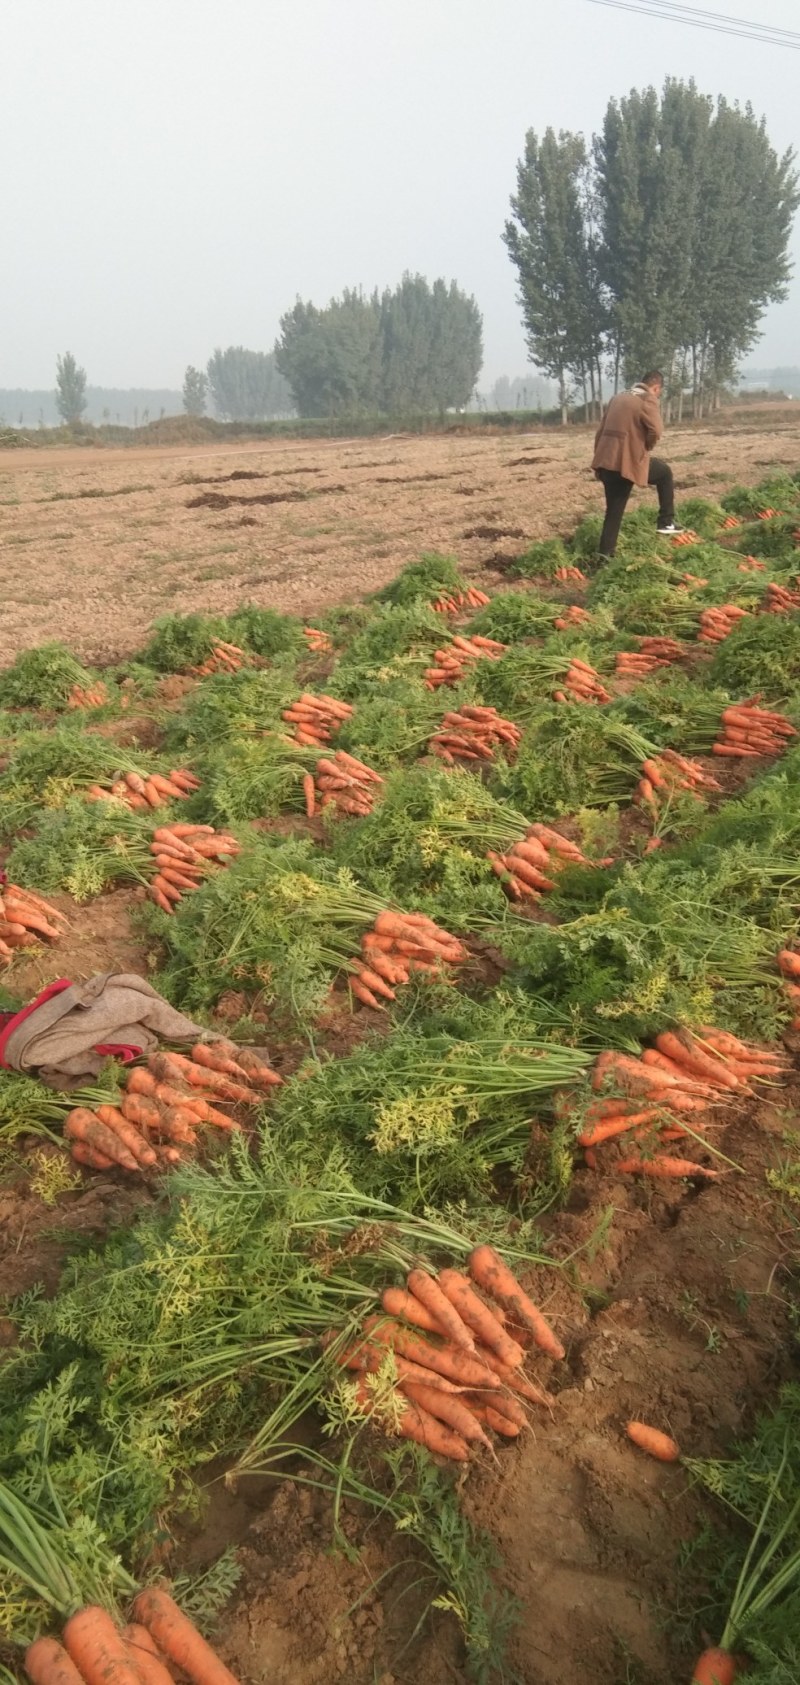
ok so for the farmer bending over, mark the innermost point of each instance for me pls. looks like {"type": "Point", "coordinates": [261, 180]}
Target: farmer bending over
{"type": "Point", "coordinates": [629, 429]}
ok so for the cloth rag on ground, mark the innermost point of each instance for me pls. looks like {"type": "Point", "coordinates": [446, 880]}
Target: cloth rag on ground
{"type": "Point", "coordinates": [67, 1033]}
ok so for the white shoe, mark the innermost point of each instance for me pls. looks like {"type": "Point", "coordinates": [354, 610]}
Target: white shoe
{"type": "Point", "coordinates": [671, 529]}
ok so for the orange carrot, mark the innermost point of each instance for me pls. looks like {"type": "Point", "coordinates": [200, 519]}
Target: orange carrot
{"type": "Point", "coordinates": [97, 1648]}
{"type": "Point", "coordinates": [397, 1302]}
{"type": "Point", "coordinates": [612, 1126]}
{"type": "Point", "coordinates": [487, 1268]}
{"type": "Point", "coordinates": [454, 1364]}
{"type": "Point", "coordinates": [47, 1663]}
{"type": "Point", "coordinates": [446, 1407]}
{"type": "Point", "coordinates": [144, 1654]}
{"type": "Point", "coordinates": [663, 1166]}
{"type": "Point", "coordinates": [715, 1667]}
{"type": "Point", "coordinates": [655, 1443]}
{"type": "Point", "coordinates": [693, 1059]}
{"type": "Point", "coordinates": [504, 1404]}
{"type": "Point", "coordinates": [495, 1419]}
{"type": "Point", "coordinates": [128, 1135]}
{"type": "Point", "coordinates": [177, 1125]}
{"type": "Point", "coordinates": [364, 994]}
{"type": "Point", "coordinates": [210, 1055]}
{"type": "Point", "coordinates": [261, 1075]}
{"type": "Point", "coordinates": [310, 795]}
{"type": "Point", "coordinates": [82, 1125]}
{"type": "Point", "coordinates": [179, 1640]}
{"type": "Point", "coordinates": [789, 963]}
{"type": "Point", "coordinates": [517, 1383]}
{"type": "Point", "coordinates": [140, 1111]}
{"type": "Point", "coordinates": [89, 1157]}
{"type": "Point", "coordinates": [479, 1318]}
{"type": "Point", "coordinates": [369, 979]}
{"type": "Point", "coordinates": [441, 1306]}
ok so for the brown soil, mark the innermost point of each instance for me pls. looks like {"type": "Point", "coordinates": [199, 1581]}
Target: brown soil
{"type": "Point", "coordinates": [99, 543]}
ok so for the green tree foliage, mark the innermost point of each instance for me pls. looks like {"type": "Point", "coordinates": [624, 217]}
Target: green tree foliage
{"type": "Point", "coordinates": [247, 385]}
{"type": "Point", "coordinates": [417, 348]}
{"type": "Point", "coordinates": [663, 246]}
{"type": "Point", "coordinates": [70, 388]}
{"type": "Point", "coordinates": [195, 391]}
{"type": "Point", "coordinates": [552, 242]}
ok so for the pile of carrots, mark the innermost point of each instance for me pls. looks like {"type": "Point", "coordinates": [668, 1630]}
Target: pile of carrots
{"type": "Point", "coordinates": [318, 642]}
{"type": "Point", "coordinates": [716, 624]}
{"type": "Point", "coordinates": [456, 601]}
{"type": "Point", "coordinates": [341, 782]}
{"type": "Point", "coordinates": [780, 600]}
{"type": "Point", "coordinates": [224, 658]}
{"type": "Point", "coordinates": [316, 719]}
{"type": "Point", "coordinates": [748, 730]}
{"type": "Point", "coordinates": [526, 868]}
{"type": "Point", "coordinates": [769, 514]}
{"type": "Point", "coordinates": [96, 1651]}
{"type": "Point", "coordinates": [651, 654]}
{"type": "Point", "coordinates": [683, 1073]}
{"type": "Point", "coordinates": [473, 734]}
{"type": "Point", "coordinates": [688, 537]}
{"type": "Point", "coordinates": [751, 564]}
{"type": "Point", "coordinates": [566, 573]}
{"type": "Point", "coordinates": [395, 946]}
{"type": "Point", "coordinates": [729, 523]}
{"type": "Point", "coordinates": [183, 854]}
{"type": "Point", "coordinates": [573, 616]}
{"type": "Point", "coordinates": [90, 696]}
{"type": "Point", "coordinates": [582, 683]}
{"type": "Point", "coordinates": [691, 579]}
{"type": "Point", "coordinates": [458, 1360]}
{"type": "Point", "coordinates": [670, 771]}
{"type": "Point", "coordinates": [161, 1109]}
{"type": "Point", "coordinates": [451, 662]}
{"type": "Point", "coordinates": [24, 917]}
{"type": "Point", "coordinates": [140, 791]}
{"type": "Point", "coordinates": [789, 965]}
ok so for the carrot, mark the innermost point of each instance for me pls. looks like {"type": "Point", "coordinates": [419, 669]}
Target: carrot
{"type": "Point", "coordinates": [715, 1667]}
{"type": "Point", "coordinates": [144, 1654]}
{"type": "Point", "coordinates": [255, 1070]}
{"type": "Point", "coordinates": [89, 1157]}
{"type": "Point", "coordinates": [161, 900]}
{"type": "Point", "coordinates": [449, 1361]}
{"type": "Point", "coordinates": [128, 1135]}
{"type": "Point", "coordinates": [370, 979]}
{"type": "Point", "coordinates": [479, 1318]}
{"type": "Point", "coordinates": [179, 1640]}
{"type": "Point", "coordinates": [140, 1111]}
{"type": "Point", "coordinates": [447, 1408]}
{"type": "Point", "coordinates": [416, 1423]}
{"type": "Point", "coordinates": [487, 1268]}
{"type": "Point", "coordinates": [177, 1125]}
{"type": "Point", "coordinates": [47, 1663]}
{"type": "Point", "coordinates": [197, 1077]}
{"type": "Point", "coordinates": [662, 1166]}
{"type": "Point", "coordinates": [655, 1443]}
{"type": "Point", "coordinates": [98, 1649]}
{"type": "Point", "coordinates": [364, 994]}
{"type": "Point", "coordinates": [168, 891]}
{"type": "Point", "coordinates": [430, 1294]}
{"type": "Point", "coordinates": [517, 1383]}
{"type": "Point", "coordinates": [611, 1127]}
{"type": "Point", "coordinates": [206, 1054]}
{"type": "Point", "coordinates": [82, 1125]}
{"type": "Point", "coordinates": [397, 1302]}
{"type": "Point", "coordinates": [789, 963]}
{"type": "Point", "coordinates": [310, 795]}
{"type": "Point", "coordinates": [505, 1406]}
{"type": "Point", "coordinates": [496, 1420]}
{"type": "Point", "coordinates": [695, 1061]}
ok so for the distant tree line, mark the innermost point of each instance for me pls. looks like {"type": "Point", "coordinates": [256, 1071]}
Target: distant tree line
{"type": "Point", "coordinates": [661, 243]}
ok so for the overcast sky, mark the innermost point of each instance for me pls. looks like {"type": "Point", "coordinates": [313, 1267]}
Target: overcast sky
{"type": "Point", "coordinates": [175, 172]}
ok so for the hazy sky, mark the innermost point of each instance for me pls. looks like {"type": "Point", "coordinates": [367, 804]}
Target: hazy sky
{"type": "Point", "coordinates": [175, 172]}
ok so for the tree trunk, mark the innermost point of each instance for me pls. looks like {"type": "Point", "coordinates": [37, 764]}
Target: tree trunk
{"type": "Point", "coordinates": [562, 398]}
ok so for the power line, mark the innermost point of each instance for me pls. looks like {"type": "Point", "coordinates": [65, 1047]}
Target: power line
{"type": "Point", "coordinates": [750, 32]}
{"type": "Point", "coordinates": [691, 14]}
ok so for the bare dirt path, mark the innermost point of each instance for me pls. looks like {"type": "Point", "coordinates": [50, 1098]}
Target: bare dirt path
{"type": "Point", "coordinates": [97, 544]}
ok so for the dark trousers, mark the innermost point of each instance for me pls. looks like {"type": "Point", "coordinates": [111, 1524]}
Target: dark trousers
{"type": "Point", "coordinates": [618, 490]}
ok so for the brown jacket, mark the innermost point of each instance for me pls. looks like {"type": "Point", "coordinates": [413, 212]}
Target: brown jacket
{"type": "Point", "coordinates": [629, 429]}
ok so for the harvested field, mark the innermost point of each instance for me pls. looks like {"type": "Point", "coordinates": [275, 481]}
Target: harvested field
{"type": "Point", "coordinates": [98, 544]}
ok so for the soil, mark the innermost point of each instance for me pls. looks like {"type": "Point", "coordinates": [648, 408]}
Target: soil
{"type": "Point", "coordinates": [97, 544]}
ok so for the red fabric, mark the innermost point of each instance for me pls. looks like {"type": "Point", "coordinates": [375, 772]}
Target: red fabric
{"type": "Point", "coordinates": [18, 1018]}
{"type": "Point", "coordinates": [117, 1050]}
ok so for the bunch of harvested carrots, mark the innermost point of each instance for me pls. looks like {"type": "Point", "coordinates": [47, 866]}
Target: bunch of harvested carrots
{"type": "Point", "coordinates": [770, 514]}
{"type": "Point", "coordinates": [24, 917]}
{"type": "Point", "coordinates": [318, 642]}
{"type": "Point", "coordinates": [455, 602]}
{"type": "Point", "coordinates": [573, 616]}
{"type": "Point", "coordinates": [458, 1361]}
{"type": "Point", "coordinates": [582, 683]}
{"type": "Point", "coordinates": [224, 658]}
{"type": "Point", "coordinates": [729, 523]}
{"type": "Point", "coordinates": [670, 771]}
{"type": "Point", "coordinates": [564, 574]}
{"type": "Point", "coordinates": [651, 654]}
{"type": "Point", "coordinates": [316, 719]}
{"type": "Point", "coordinates": [683, 1073]}
{"type": "Point", "coordinates": [183, 855]}
{"type": "Point", "coordinates": [395, 946]}
{"type": "Point", "coordinates": [473, 734]}
{"type": "Point", "coordinates": [681, 539]}
{"type": "Point", "coordinates": [748, 730]}
{"type": "Point", "coordinates": [525, 869]}
{"type": "Point", "coordinates": [789, 966]}
{"type": "Point", "coordinates": [140, 791]}
{"type": "Point", "coordinates": [88, 696]}
{"type": "Point", "coordinates": [716, 624]}
{"type": "Point", "coordinates": [451, 662]}
{"type": "Point", "coordinates": [341, 782]}
{"type": "Point", "coordinates": [751, 564]}
{"type": "Point", "coordinates": [688, 580]}
{"type": "Point", "coordinates": [161, 1110]}
{"type": "Point", "coordinates": [96, 1651]}
{"type": "Point", "coordinates": [780, 600]}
